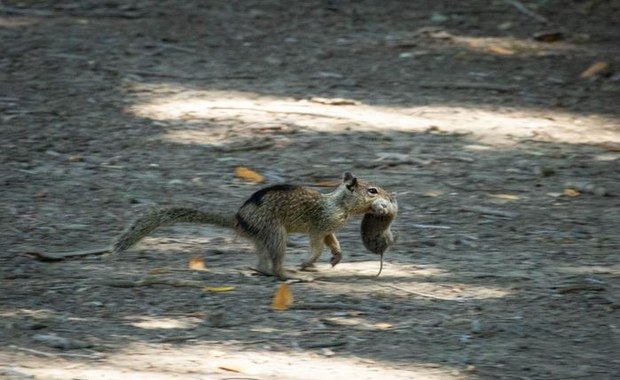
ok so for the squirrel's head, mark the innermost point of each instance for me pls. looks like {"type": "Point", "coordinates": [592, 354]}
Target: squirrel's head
{"type": "Point", "coordinates": [363, 197]}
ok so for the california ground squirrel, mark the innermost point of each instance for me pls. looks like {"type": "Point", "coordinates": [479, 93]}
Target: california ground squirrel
{"type": "Point", "coordinates": [376, 233]}
{"type": "Point", "coordinates": [270, 214]}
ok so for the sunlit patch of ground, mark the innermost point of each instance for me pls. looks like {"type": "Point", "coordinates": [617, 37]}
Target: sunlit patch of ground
{"type": "Point", "coordinates": [406, 281]}
{"type": "Point", "coordinates": [497, 127]}
{"type": "Point", "coordinates": [216, 361]}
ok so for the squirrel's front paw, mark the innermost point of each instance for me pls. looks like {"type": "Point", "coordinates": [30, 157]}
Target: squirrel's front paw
{"type": "Point", "coordinates": [336, 257]}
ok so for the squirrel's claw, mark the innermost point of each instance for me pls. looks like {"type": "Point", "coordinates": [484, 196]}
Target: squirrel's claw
{"type": "Point", "coordinates": [336, 257]}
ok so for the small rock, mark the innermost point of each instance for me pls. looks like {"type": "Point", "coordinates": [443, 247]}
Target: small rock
{"type": "Point", "coordinates": [76, 158]}
{"type": "Point", "coordinates": [549, 36]}
{"type": "Point", "coordinates": [438, 18]}
{"type": "Point", "coordinates": [476, 326]}
{"type": "Point", "coordinates": [93, 304]}
{"type": "Point", "coordinates": [175, 182]}
{"type": "Point", "coordinates": [505, 25]}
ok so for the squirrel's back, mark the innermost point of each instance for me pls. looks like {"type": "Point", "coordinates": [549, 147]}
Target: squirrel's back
{"type": "Point", "coordinates": [295, 208]}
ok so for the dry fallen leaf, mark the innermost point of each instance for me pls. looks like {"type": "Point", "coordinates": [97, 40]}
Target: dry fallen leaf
{"type": "Point", "coordinates": [283, 299]}
{"type": "Point", "coordinates": [197, 263]}
{"type": "Point", "coordinates": [218, 289]}
{"type": "Point", "coordinates": [500, 50]}
{"type": "Point", "coordinates": [383, 325]}
{"type": "Point", "coordinates": [570, 192]}
{"type": "Point", "coordinates": [249, 174]}
{"type": "Point", "coordinates": [596, 68]}
{"type": "Point", "coordinates": [76, 158]}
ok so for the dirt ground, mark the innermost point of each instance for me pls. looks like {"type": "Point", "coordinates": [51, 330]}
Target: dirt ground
{"type": "Point", "coordinates": [497, 126]}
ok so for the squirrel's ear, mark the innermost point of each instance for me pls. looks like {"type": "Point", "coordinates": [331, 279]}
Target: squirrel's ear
{"type": "Point", "coordinates": [349, 180]}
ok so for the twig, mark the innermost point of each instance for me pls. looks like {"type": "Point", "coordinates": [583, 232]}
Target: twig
{"type": "Point", "coordinates": [335, 343]}
{"type": "Point", "coordinates": [390, 163]}
{"type": "Point", "coordinates": [177, 47]}
{"type": "Point", "coordinates": [48, 13]}
{"type": "Point", "coordinates": [61, 354]}
{"type": "Point", "coordinates": [174, 339]}
{"type": "Point", "coordinates": [431, 227]}
{"type": "Point", "coordinates": [581, 287]}
{"type": "Point", "coordinates": [523, 9]}
{"type": "Point", "coordinates": [490, 211]}
{"type": "Point", "coordinates": [425, 295]}
{"type": "Point", "coordinates": [147, 73]}
{"type": "Point", "coordinates": [468, 86]}
{"type": "Point", "coordinates": [57, 256]}
{"type": "Point", "coordinates": [332, 306]}
{"type": "Point", "coordinates": [26, 12]}
{"type": "Point", "coordinates": [154, 281]}
{"type": "Point", "coordinates": [256, 145]}
{"type": "Point", "coordinates": [316, 114]}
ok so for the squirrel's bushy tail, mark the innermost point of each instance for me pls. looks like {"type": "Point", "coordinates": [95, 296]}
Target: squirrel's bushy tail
{"type": "Point", "coordinates": [160, 217]}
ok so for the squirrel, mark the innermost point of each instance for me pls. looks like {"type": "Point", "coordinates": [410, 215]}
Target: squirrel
{"type": "Point", "coordinates": [270, 214]}
{"type": "Point", "coordinates": [375, 229]}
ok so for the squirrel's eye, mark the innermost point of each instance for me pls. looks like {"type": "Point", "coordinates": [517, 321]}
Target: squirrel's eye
{"type": "Point", "coordinates": [372, 190]}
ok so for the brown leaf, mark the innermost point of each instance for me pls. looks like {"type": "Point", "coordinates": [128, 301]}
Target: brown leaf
{"type": "Point", "coordinates": [500, 50]}
{"type": "Point", "coordinates": [571, 192]}
{"type": "Point", "coordinates": [197, 263]}
{"type": "Point", "coordinates": [596, 68]}
{"type": "Point", "coordinates": [283, 298]}
{"type": "Point", "coordinates": [248, 174]}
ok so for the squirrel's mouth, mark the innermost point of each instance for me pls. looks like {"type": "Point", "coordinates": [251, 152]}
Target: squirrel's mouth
{"type": "Point", "coordinates": [380, 207]}
{"type": "Point", "coordinates": [380, 211]}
